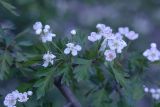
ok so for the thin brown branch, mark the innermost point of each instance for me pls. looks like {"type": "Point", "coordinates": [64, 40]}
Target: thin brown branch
{"type": "Point", "coordinates": [67, 93]}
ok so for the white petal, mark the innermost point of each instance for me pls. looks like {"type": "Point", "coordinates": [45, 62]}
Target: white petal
{"type": "Point", "coordinates": [47, 27]}
{"type": "Point", "coordinates": [78, 47]}
{"type": "Point", "coordinates": [74, 52]}
{"type": "Point", "coordinates": [70, 44]}
{"type": "Point", "coordinates": [92, 39]}
{"type": "Point", "coordinates": [46, 63]}
{"type": "Point", "coordinates": [38, 31]}
{"type": "Point", "coordinates": [73, 32]}
{"type": "Point", "coordinates": [67, 51]}
{"type": "Point", "coordinates": [153, 45]}
{"type": "Point", "coordinates": [146, 53]}
{"type": "Point", "coordinates": [37, 25]}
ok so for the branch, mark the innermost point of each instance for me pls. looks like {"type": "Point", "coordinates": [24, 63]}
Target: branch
{"type": "Point", "coordinates": [67, 93]}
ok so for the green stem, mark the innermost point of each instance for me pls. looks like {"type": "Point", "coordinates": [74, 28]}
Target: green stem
{"type": "Point", "coordinates": [57, 47]}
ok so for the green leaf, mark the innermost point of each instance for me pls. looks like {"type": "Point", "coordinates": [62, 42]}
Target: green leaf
{"type": "Point", "coordinates": [6, 62]}
{"type": "Point", "coordinates": [43, 85]}
{"type": "Point", "coordinates": [81, 72]}
{"type": "Point", "coordinates": [101, 99]}
{"type": "Point", "coordinates": [81, 61]}
{"type": "Point", "coordinates": [9, 7]}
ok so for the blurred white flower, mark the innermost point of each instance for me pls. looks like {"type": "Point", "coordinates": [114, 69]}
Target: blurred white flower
{"type": "Point", "coordinates": [10, 100]}
{"type": "Point", "coordinates": [123, 30]}
{"type": "Point", "coordinates": [105, 31]}
{"type": "Point", "coordinates": [23, 97]}
{"type": "Point", "coordinates": [37, 26]}
{"type": "Point", "coordinates": [15, 93]}
{"type": "Point", "coordinates": [100, 26]}
{"type": "Point", "coordinates": [29, 93]}
{"type": "Point", "coordinates": [131, 35]}
{"type": "Point", "coordinates": [156, 96]}
{"type": "Point", "coordinates": [48, 58]}
{"type": "Point", "coordinates": [152, 90]}
{"type": "Point", "coordinates": [110, 55]}
{"type": "Point", "coordinates": [45, 33]}
{"type": "Point", "coordinates": [152, 54]}
{"type": "Point", "coordinates": [72, 48]}
{"type": "Point", "coordinates": [117, 44]}
{"type": "Point", "coordinates": [73, 32]}
{"type": "Point", "coordinates": [94, 37]}
{"type": "Point", "coordinates": [155, 93]}
{"type": "Point", "coordinates": [146, 89]}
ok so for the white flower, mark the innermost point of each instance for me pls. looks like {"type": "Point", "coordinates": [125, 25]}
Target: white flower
{"type": "Point", "coordinates": [45, 33]}
{"type": "Point", "coordinates": [29, 93]}
{"type": "Point", "coordinates": [110, 55]}
{"type": "Point", "coordinates": [156, 96]}
{"type": "Point", "coordinates": [152, 54]}
{"type": "Point", "coordinates": [15, 93]}
{"type": "Point", "coordinates": [152, 90]}
{"type": "Point", "coordinates": [72, 48]}
{"type": "Point", "coordinates": [100, 26]}
{"type": "Point", "coordinates": [131, 35]}
{"type": "Point", "coordinates": [23, 97]}
{"type": "Point", "coordinates": [146, 89]}
{"type": "Point", "coordinates": [94, 37]}
{"type": "Point", "coordinates": [48, 58]}
{"type": "Point", "coordinates": [47, 37]}
{"type": "Point", "coordinates": [117, 44]}
{"type": "Point", "coordinates": [105, 31]}
{"type": "Point", "coordinates": [37, 25]}
{"type": "Point", "coordinates": [73, 32]}
{"type": "Point", "coordinates": [10, 100]}
{"type": "Point", "coordinates": [123, 30]}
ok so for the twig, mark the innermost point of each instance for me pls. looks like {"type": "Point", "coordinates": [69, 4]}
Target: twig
{"type": "Point", "coordinates": [67, 93]}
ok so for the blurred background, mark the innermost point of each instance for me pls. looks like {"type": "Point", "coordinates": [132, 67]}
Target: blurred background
{"type": "Point", "coordinates": [142, 16]}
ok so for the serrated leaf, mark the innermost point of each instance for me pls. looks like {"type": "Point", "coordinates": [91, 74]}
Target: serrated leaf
{"type": "Point", "coordinates": [101, 99]}
{"type": "Point", "coordinates": [9, 7]}
{"type": "Point", "coordinates": [81, 72]}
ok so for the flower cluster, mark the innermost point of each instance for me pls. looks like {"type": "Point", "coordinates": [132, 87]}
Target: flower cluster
{"type": "Point", "coordinates": [155, 92]}
{"type": "Point", "coordinates": [72, 48]}
{"type": "Point", "coordinates": [113, 41]}
{"type": "Point", "coordinates": [152, 54]}
{"type": "Point", "coordinates": [12, 98]}
{"type": "Point", "coordinates": [48, 58]}
{"type": "Point", "coordinates": [131, 35]}
{"type": "Point", "coordinates": [44, 32]}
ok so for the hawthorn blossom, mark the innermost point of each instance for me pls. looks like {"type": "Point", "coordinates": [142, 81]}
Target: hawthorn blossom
{"type": "Point", "coordinates": [155, 92]}
{"type": "Point", "coordinates": [38, 27]}
{"type": "Point", "coordinates": [45, 33]}
{"type": "Point", "coordinates": [72, 48]}
{"type": "Point", "coordinates": [117, 43]}
{"type": "Point", "coordinates": [123, 30]}
{"type": "Point", "coordinates": [152, 54]}
{"type": "Point", "coordinates": [100, 26]}
{"type": "Point", "coordinates": [23, 97]}
{"type": "Point", "coordinates": [110, 55]}
{"type": "Point", "coordinates": [105, 31]}
{"type": "Point", "coordinates": [94, 37]}
{"type": "Point", "coordinates": [48, 58]}
{"type": "Point", "coordinates": [131, 35]}
{"type": "Point", "coordinates": [29, 93]}
{"type": "Point", "coordinates": [12, 98]}
{"type": "Point", "coordinates": [73, 32]}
